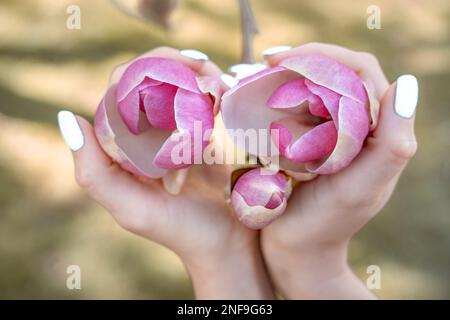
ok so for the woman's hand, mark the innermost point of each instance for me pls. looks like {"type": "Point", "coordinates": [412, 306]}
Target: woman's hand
{"type": "Point", "coordinates": [306, 248]}
{"type": "Point", "coordinates": [222, 256]}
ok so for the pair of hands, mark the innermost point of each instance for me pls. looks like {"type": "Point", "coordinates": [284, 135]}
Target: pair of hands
{"type": "Point", "coordinates": [303, 253]}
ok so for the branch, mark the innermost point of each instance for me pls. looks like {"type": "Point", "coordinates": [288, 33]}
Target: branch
{"type": "Point", "coordinates": [248, 30]}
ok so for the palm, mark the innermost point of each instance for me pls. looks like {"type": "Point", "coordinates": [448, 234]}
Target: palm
{"type": "Point", "coordinates": [324, 208]}
{"type": "Point", "coordinates": [196, 220]}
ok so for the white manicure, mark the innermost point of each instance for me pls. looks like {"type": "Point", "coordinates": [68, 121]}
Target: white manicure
{"type": "Point", "coordinates": [275, 50]}
{"type": "Point", "coordinates": [70, 130]}
{"type": "Point", "coordinates": [194, 54]}
{"type": "Point", "coordinates": [406, 96]}
{"type": "Point", "coordinates": [229, 80]}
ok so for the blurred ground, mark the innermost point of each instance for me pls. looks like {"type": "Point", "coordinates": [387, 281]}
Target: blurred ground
{"type": "Point", "coordinates": [48, 223]}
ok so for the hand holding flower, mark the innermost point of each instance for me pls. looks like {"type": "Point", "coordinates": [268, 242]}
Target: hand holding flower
{"type": "Point", "coordinates": [306, 248]}
{"type": "Point", "coordinates": [221, 255]}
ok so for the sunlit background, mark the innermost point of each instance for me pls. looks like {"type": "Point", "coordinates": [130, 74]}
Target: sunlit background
{"type": "Point", "coordinates": [47, 223]}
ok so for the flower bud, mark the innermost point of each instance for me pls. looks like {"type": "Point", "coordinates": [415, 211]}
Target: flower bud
{"type": "Point", "coordinates": [259, 197]}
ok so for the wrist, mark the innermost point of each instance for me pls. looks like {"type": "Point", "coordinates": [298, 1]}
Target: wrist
{"type": "Point", "coordinates": [237, 273]}
{"type": "Point", "coordinates": [315, 272]}
{"type": "Point", "coordinates": [301, 271]}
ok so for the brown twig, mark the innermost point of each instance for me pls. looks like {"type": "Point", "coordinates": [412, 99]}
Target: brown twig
{"type": "Point", "coordinates": [248, 30]}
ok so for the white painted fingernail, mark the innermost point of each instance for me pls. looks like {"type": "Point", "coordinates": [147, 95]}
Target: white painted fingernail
{"type": "Point", "coordinates": [275, 50]}
{"type": "Point", "coordinates": [230, 81]}
{"type": "Point", "coordinates": [406, 95]}
{"type": "Point", "coordinates": [70, 130]}
{"type": "Point", "coordinates": [194, 54]}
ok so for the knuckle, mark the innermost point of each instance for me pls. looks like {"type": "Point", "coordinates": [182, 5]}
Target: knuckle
{"type": "Point", "coordinates": [84, 178]}
{"type": "Point", "coordinates": [161, 49]}
{"type": "Point", "coordinates": [131, 222]}
{"type": "Point", "coordinates": [126, 224]}
{"type": "Point", "coordinates": [313, 44]}
{"type": "Point", "coordinates": [369, 58]}
{"type": "Point", "coordinates": [124, 220]}
{"type": "Point", "coordinates": [403, 150]}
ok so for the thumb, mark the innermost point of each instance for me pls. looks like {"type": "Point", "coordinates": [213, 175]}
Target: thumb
{"type": "Point", "coordinates": [95, 171]}
{"type": "Point", "coordinates": [393, 143]}
{"type": "Point", "coordinates": [91, 163]}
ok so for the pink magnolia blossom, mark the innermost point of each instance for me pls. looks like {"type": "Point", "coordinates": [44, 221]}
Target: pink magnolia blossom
{"type": "Point", "coordinates": [259, 198]}
{"type": "Point", "coordinates": [150, 110]}
{"type": "Point", "coordinates": [321, 111]}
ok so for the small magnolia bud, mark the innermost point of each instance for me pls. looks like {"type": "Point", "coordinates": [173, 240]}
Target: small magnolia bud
{"type": "Point", "coordinates": [259, 198]}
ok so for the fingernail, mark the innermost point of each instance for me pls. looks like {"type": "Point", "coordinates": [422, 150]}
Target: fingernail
{"type": "Point", "coordinates": [275, 50]}
{"type": "Point", "coordinates": [194, 54]}
{"type": "Point", "coordinates": [229, 80]}
{"type": "Point", "coordinates": [406, 95]}
{"type": "Point", "coordinates": [70, 130]}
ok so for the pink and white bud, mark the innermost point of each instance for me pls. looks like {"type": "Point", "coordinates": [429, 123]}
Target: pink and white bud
{"type": "Point", "coordinates": [320, 110]}
{"type": "Point", "coordinates": [258, 198]}
{"type": "Point", "coordinates": [145, 113]}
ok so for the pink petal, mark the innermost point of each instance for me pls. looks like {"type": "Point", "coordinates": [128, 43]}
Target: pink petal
{"type": "Point", "coordinates": [160, 69]}
{"type": "Point", "coordinates": [259, 75]}
{"type": "Point", "coordinates": [244, 106]}
{"type": "Point", "coordinates": [374, 104]}
{"type": "Point", "coordinates": [309, 143]}
{"type": "Point", "coordinates": [130, 111]}
{"type": "Point", "coordinates": [258, 199]}
{"type": "Point", "coordinates": [330, 99]}
{"type": "Point", "coordinates": [194, 117]}
{"type": "Point", "coordinates": [290, 129]}
{"type": "Point", "coordinates": [291, 94]}
{"type": "Point", "coordinates": [210, 85]}
{"type": "Point", "coordinates": [328, 73]}
{"type": "Point", "coordinates": [144, 85]}
{"type": "Point", "coordinates": [148, 82]}
{"type": "Point", "coordinates": [129, 107]}
{"type": "Point", "coordinates": [158, 105]}
{"type": "Point", "coordinates": [275, 201]}
{"type": "Point", "coordinates": [284, 137]}
{"type": "Point", "coordinates": [133, 153]}
{"type": "Point", "coordinates": [172, 156]}
{"type": "Point", "coordinates": [252, 185]}
{"type": "Point", "coordinates": [315, 144]}
{"type": "Point", "coordinates": [256, 217]}
{"type": "Point", "coordinates": [192, 108]}
{"type": "Point", "coordinates": [353, 129]}
{"type": "Point", "coordinates": [318, 109]}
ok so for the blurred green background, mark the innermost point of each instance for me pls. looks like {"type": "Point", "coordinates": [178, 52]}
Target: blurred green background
{"type": "Point", "coordinates": [48, 223]}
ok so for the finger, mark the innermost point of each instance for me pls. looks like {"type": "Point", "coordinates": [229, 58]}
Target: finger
{"type": "Point", "coordinates": [393, 143]}
{"type": "Point", "coordinates": [196, 60]}
{"type": "Point", "coordinates": [365, 64]}
{"type": "Point", "coordinates": [95, 171]}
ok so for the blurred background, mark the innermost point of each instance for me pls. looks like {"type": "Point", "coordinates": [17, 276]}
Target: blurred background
{"type": "Point", "coordinates": [47, 223]}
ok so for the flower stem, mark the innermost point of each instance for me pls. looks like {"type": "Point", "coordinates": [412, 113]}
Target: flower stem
{"type": "Point", "coordinates": [248, 30]}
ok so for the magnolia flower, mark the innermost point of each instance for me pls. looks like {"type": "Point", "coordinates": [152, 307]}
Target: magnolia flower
{"type": "Point", "coordinates": [258, 197]}
{"type": "Point", "coordinates": [156, 105]}
{"type": "Point", "coordinates": [316, 111]}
